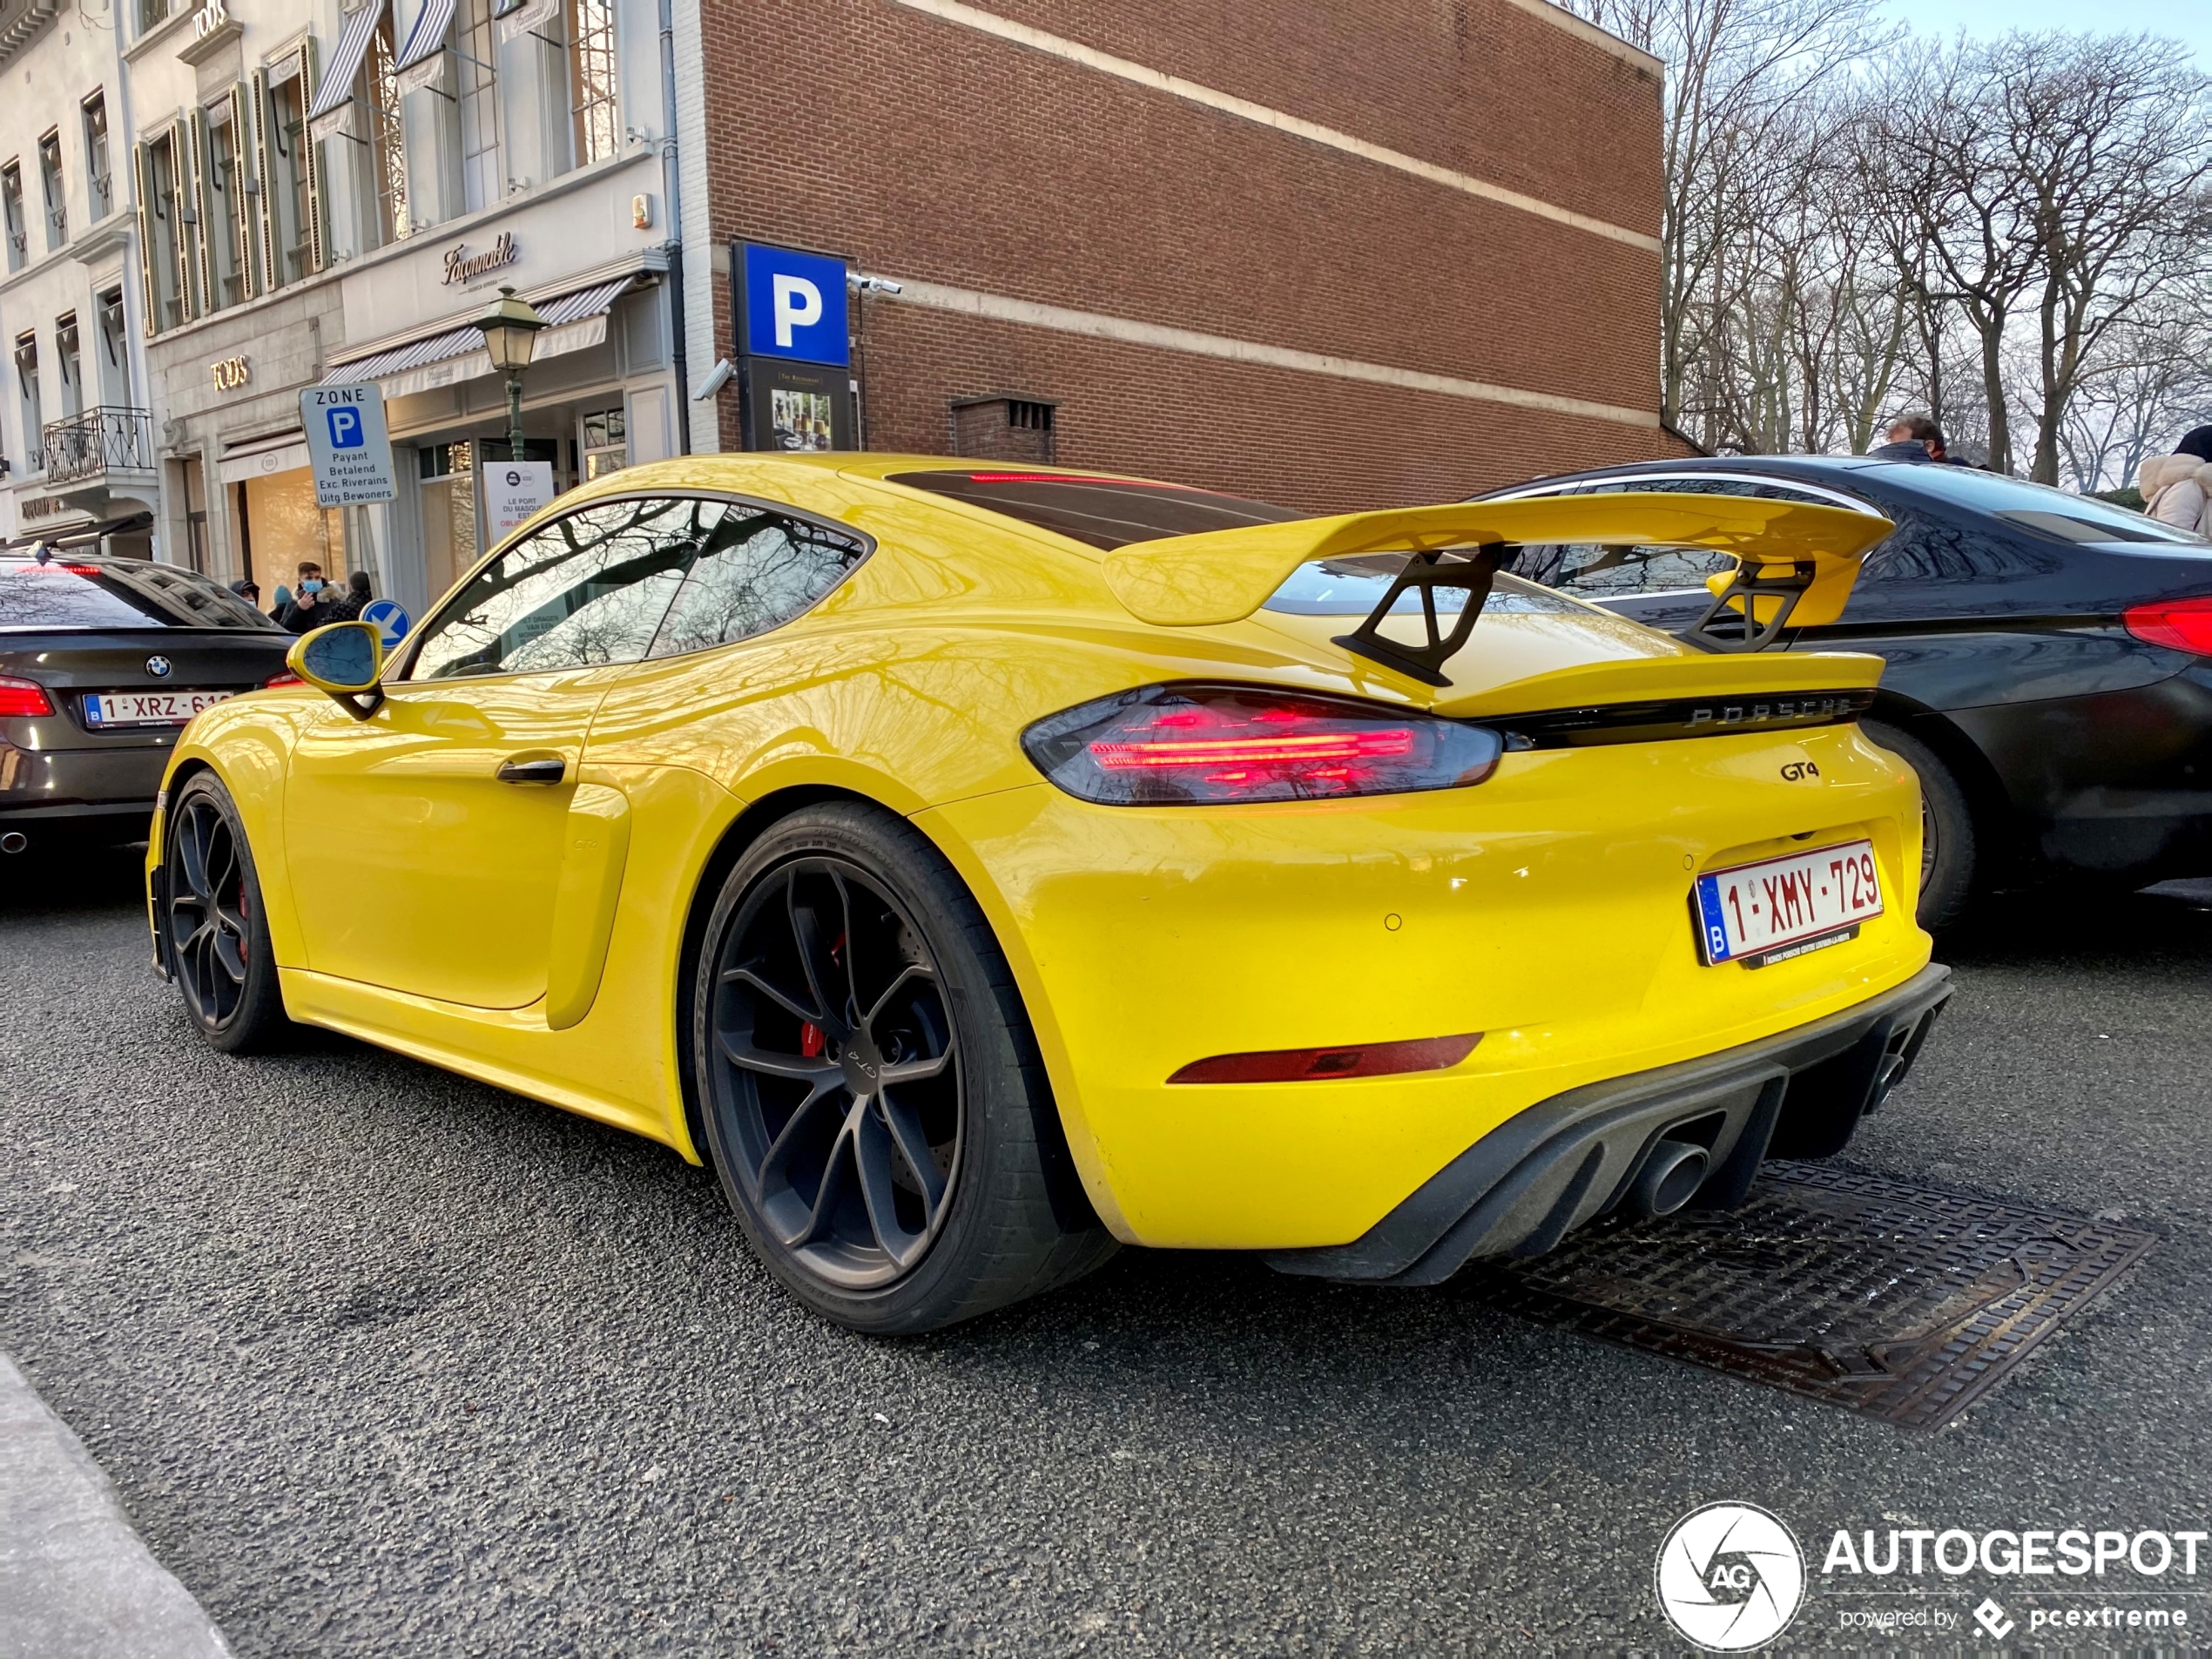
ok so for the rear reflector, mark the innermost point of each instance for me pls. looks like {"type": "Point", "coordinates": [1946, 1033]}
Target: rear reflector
{"type": "Point", "coordinates": [1306, 1065]}
{"type": "Point", "coordinates": [2182, 624]}
{"type": "Point", "coordinates": [23, 699]}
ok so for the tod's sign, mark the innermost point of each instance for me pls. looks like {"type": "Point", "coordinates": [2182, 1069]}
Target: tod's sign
{"type": "Point", "coordinates": [462, 266]}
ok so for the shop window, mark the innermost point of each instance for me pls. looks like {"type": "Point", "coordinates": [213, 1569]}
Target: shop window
{"type": "Point", "coordinates": [754, 571]}
{"type": "Point", "coordinates": [1004, 428]}
{"type": "Point", "coordinates": [587, 589]}
{"type": "Point", "coordinates": [226, 206]}
{"type": "Point", "coordinates": [69, 366]}
{"type": "Point", "coordinates": [605, 444]}
{"type": "Point", "coordinates": [592, 80]}
{"type": "Point", "coordinates": [99, 178]}
{"type": "Point", "coordinates": [52, 187]}
{"type": "Point", "coordinates": [115, 351]}
{"type": "Point", "coordinates": [27, 396]}
{"type": "Point", "coordinates": [11, 207]}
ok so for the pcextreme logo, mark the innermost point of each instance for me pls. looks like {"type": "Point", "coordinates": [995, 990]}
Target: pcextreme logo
{"type": "Point", "coordinates": [1730, 1577]}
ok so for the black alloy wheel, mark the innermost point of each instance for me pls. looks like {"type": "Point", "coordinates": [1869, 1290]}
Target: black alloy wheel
{"type": "Point", "coordinates": [1949, 853]}
{"type": "Point", "coordinates": [215, 934]}
{"type": "Point", "coordinates": [874, 1099]}
{"type": "Point", "coordinates": [839, 1073]}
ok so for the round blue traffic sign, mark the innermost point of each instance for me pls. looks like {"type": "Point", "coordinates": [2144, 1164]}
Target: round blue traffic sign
{"type": "Point", "coordinates": [390, 617]}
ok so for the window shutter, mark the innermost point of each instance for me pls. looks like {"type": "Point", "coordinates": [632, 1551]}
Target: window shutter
{"type": "Point", "coordinates": [202, 263]}
{"type": "Point", "coordinates": [241, 125]}
{"type": "Point", "coordinates": [271, 272]}
{"type": "Point", "coordinates": [311, 158]}
{"type": "Point", "coordinates": [142, 173]}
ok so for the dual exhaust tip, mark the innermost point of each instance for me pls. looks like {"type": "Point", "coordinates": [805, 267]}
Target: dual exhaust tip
{"type": "Point", "coordinates": [1670, 1179]}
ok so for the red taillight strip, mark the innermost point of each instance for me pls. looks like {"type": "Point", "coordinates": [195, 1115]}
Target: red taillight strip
{"type": "Point", "coordinates": [285, 678]}
{"type": "Point", "coordinates": [1256, 751]}
{"type": "Point", "coordinates": [1306, 1065]}
{"type": "Point", "coordinates": [23, 699]}
{"type": "Point", "coordinates": [2179, 625]}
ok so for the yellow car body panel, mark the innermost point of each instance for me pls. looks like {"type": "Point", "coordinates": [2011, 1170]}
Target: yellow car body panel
{"type": "Point", "coordinates": [415, 902]}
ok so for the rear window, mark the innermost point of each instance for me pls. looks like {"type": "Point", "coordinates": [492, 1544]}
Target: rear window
{"type": "Point", "coordinates": [117, 593]}
{"type": "Point", "coordinates": [2038, 507]}
{"type": "Point", "coordinates": [1100, 512]}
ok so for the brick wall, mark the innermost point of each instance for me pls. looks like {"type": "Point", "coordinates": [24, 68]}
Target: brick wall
{"type": "Point", "coordinates": [924, 149]}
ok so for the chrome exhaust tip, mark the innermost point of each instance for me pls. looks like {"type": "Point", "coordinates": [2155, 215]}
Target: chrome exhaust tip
{"type": "Point", "coordinates": [1670, 1178]}
{"type": "Point", "coordinates": [14, 841]}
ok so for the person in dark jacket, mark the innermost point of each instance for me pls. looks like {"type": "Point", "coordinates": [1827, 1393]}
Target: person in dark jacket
{"type": "Point", "coordinates": [1913, 438]}
{"type": "Point", "coordinates": [308, 609]}
{"type": "Point", "coordinates": [347, 607]}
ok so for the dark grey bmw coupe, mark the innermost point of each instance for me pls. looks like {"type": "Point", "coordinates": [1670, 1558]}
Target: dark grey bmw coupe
{"type": "Point", "coordinates": [2050, 656]}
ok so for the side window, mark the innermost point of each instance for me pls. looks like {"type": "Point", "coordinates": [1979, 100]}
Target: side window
{"type": "Point", "coordinates": [755, 571]}
{"type": "Point", "coordinates": [587, 589]}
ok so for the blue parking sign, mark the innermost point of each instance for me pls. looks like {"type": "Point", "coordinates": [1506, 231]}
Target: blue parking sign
{"type": "Point", "coordinates": [793, 305]}
{"type": "Point", "coordinates": [346, 431]}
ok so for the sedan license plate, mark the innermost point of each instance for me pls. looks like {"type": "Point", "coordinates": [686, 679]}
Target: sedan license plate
{"type": "Point", "coordinates": [104, 709]}
{"type": "Point", "coordinates": [1778, 908]}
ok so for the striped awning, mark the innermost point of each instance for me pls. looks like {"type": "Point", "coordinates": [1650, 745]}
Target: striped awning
{"type": "Point", "coordinates": [429, 35]}
{"type": "Point", "coordinates": [337, 82]}
{"type": "Point", "coordinates": [573, 321]}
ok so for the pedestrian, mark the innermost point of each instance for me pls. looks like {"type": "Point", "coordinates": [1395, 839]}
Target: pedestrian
{"type": "Point", "coordinates": [308, 610]}
{"type": "Point", "coordinates": [248, 590]}
{"type": "Point", "coordinates": [2178, 488]}
{"type": "Point", "coordinates": [349, 605]}
{"type": "Point", "coordinates": [1913, 439]}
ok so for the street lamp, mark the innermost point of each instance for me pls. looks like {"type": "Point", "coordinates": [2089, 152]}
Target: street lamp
{"type": "Point", "coordinates": [511, 334]}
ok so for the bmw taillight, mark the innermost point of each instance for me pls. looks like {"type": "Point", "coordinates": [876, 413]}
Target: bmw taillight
{"type": "Point", "coordinates": [287, 677]}
{"type": "Point", "coordinates": [1166, 746]}
{"type": "Point", "coordinates": [23, 699]}
{"type": "Point", "coordinates": [2182, 624]}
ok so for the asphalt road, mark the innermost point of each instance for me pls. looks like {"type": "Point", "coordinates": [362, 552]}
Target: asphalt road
{"type": "Point", "coordinates": [386, 1363]}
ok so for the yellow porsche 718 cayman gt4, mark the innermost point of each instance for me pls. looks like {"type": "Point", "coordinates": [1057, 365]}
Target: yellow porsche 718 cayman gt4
{"type": "Point", "coordinates": [979, 867]}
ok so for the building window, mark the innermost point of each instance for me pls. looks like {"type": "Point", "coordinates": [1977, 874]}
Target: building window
{"type": "Point", "coordinates": [153, 13]}
{"type": "Point", "coordinates": [27, 395]}
{"type": "Point", "coordinates": [481, 185]}
{"type": "Point", "coordinates": [114, 357]}
{"type": "Point", "coordinates": [69, 364]}
{"type": "Point", "coordinates": [52, 186]}
{"type": "Point", "coordinates": [379, 93]}
{"type": "Point", "coordinates": [226, 202]}
{"type": "Point", "coordinates": [591, 79]}
{"type": "Point", "coordinates": [1004, 428]}
{"type": "Point", "coordinates": [11, 204]}
{"type": "Point", "coordinates": [99, 180]}
{"type": "Point", "coordinates": [164, 256]}
{"type": "Point", "coordinates": [289, 186]}
{"type": "Point", "coordinates": [606, 444]}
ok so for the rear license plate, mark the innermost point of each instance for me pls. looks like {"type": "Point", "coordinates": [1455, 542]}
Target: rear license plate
{"type": "Point", "coordinates": [104, 709]}
{"type": "Point", "coordinates": [1768, 912]}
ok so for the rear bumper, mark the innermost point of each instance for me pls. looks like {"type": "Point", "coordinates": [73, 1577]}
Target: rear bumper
{"type": "Point", "coordinates": [1568, 1160]}
{"type": "Point", "coordinates": [111, 781]}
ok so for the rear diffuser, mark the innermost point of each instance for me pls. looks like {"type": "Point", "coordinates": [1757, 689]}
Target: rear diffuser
{"type": "Point", "coordinates": [1897, 1301]}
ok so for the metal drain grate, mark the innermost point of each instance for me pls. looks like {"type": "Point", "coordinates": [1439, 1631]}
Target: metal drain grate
{"type": "Point", "coordinates": [1902, 1302]}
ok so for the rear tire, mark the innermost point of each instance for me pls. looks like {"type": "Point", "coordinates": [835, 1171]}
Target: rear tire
{"type": "Point", "coordinates": [1950, 851]}
{"type": "Point", "coordinates": [215, 934]}
{"type": "Point", "coordinates": [876, 1107]}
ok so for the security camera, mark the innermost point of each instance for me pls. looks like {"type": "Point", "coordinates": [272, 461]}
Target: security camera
{"type": "Point", "coordinates": [873, 284]}
{"type": "Point", "coordinates": [716, 378]}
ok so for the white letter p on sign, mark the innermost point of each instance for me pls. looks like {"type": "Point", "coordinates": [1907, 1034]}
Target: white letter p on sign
{"type": "Point", "coordinates": [796, 303]}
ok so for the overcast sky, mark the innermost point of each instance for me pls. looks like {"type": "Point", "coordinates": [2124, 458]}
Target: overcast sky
{"type": "Point", "coordinates": [2191, 24]}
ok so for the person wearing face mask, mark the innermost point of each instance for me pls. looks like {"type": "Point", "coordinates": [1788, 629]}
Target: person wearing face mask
{"type": "Point", "coordinates": [308, 610]}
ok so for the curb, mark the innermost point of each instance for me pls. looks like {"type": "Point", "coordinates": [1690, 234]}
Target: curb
{"type": "Point", "coordinates": [75, 1577]}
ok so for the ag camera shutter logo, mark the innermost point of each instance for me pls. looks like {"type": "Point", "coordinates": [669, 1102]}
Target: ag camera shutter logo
{"type": "Point", "coordinates": [1730, 1577]}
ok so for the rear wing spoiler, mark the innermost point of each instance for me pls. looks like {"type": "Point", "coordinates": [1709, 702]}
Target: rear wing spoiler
{"type": "Point", "coordinates": [1795, 564]}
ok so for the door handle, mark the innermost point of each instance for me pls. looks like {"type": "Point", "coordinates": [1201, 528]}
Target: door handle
{"type": "Point", "coordinates": [532, 772]}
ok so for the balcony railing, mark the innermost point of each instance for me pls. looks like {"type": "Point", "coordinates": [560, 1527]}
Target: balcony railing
{"type": "Point", "coordinates": [107, 439]}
